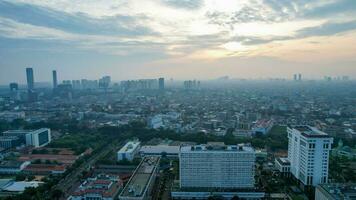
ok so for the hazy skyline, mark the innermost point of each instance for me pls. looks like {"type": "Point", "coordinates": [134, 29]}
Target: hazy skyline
{"type": "Point", "coordinates": [181, 39]}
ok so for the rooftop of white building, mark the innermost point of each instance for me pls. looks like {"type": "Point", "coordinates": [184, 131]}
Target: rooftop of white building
{"type": "Point", "coordinates": [309, 131]}
{"type": "Point", "coordinates": [129, 147]}
{"type": "Point", "coordinates": [217, 146]}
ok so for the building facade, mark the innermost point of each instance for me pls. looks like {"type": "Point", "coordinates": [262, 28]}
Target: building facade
{"type": "Point", "coordinates": [101, 187]}
{"type": "Point", "coordinates": [217, 166]}
{"type": "Point", "coordinates": [30, 79]}
{"type": "Point", "coordinates": [8, 142]}
{"type": "Point", "coordinates": [38, 138]}
{"type": "Point", "coordinates": [129, 151]}
{"type": "Point", "coordinates": [308, 154]}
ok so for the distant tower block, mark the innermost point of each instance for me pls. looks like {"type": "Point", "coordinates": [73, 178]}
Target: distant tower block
{"type": "Point", "coordinates": [161, 83]}
{"type": "Point", "coordinates": [30, 79]}
{"type": "Point", "coordinates": [54, 76]}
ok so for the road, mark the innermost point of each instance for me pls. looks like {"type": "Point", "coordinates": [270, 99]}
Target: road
{"type": "Point", "coordinates": [71, 181]}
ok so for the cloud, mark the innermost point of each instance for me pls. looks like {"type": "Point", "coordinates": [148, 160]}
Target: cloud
{"type": "Point", "coordinates": [327, 29]}
{"type": "Point", "coordinates": [121, 25]}
{"type": "Point", "coordinates": [184, 4]}
{"type": "Point", "coordinates": [331, 8]}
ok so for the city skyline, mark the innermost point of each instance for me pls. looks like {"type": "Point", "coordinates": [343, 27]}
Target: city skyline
{"type": "Point", "coordinates": [177, 39]}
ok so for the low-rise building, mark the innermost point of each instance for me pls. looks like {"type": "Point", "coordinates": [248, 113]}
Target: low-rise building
{"type": "Point", "coordinates": [8, 142]}
{"type": "Point", "coordinates": [141, 182]}
{"type": "Point", "coordinates": [101, 187]}
{"type": "Point", "coordinates": [44, 169]}
{"type": "Point", "coordinates": [335, 191]}
{"type": "Point", "coordinates": [18, 187]}
{"type": "Point", "coordinates": [158, 150]}
{"type": "Point", "coordinates": [128, 151]}
{"type": "Point", "coordinates": [282, 165]}
{"type": "Point", "coordinates": [12, 167]}
{"type": "Point", "coordinates": [262, 126]}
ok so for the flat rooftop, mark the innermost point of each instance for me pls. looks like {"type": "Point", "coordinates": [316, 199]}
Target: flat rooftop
{"type": "Point", "coordinates": [309, 131]}
{"type": "Point", "coordinates": [25, 131]}
{"type": "Point", "coordinates": [283, 161]}
{"type": "Point", "coordinates": [160, 148]}
{"type": "Point", "coordinates": [339, 190]}
{"type": "Point", "coordinates": [129, 147]}
{"type": "Point", "coordinates": [218, 147]}
{"type": "Point", "coordinates": [138, 182]}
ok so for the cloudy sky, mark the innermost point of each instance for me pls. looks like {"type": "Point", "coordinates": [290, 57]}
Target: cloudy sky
{"type": "Point", "coordinates": [180, 39]}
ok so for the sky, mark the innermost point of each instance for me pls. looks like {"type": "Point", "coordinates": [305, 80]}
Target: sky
{"type": "Point", "coordinates": [179, 39]}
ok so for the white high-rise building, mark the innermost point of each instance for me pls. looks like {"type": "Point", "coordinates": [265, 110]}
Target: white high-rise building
{"type": "Point", "coordinates": [308, 154]}
{"type": "Point", "coordinates": [38, 138]}
{"type": "Point", "coordinates": [216, 165]}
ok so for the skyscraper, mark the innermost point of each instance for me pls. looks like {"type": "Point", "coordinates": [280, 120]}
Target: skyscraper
{"type": "Point", "coordinates": [161, 83]}
{"type": "Point", "coordinates": [54, 75]}
{"type": "Point", "coordinates": [308, 154]}
{"type": "Point", "coordinates": [299, 77]}
{"type": "Point", "coordinates": [30, 79]}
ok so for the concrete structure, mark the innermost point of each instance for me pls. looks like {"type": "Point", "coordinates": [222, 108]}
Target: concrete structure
{"type": "Point", "coordinates": [161, 83]}
{"type": "Point", "coordinates": [308, 154]}
{"type": "Point", "coordinates": [14, 87]}
{"type": "Point", "coordinates": [21, 134]}
{"type": "Point", "coordinates": [12, 167]}
{"type": "Point", "coordinates": [38, 138]}
{"type": "Point", "coordinates": [104, 82]}
{"type": "Point", "coordinates": [141, 182]}
{"type": "Point", "coordinates": [102, 187]}
{"type": "Point", "coordinates": [129, 151]}
{"type": "Point", "coordinates": [30, 79]}
{"type": "Point", "coordinates": [216, 165]}
{"type": "Point", "coordinates": [54, 77]}
{"type": "Point", "coordinates": [17, 187]}
{"type": "Point", "coordinates": [344, 151]}
{"type": "Point", "coordinates": [158, 150]}
{"type": "Point", "coordinates": [8, 142]}
{"type": "Point", "coordinates": [335, 191]}
{"type": "Point", "coordinates": [282, 165]}
{"type": "Point", "coordinates": [226, 195]}
{"type": "Point", "coordinates": [262, 126]}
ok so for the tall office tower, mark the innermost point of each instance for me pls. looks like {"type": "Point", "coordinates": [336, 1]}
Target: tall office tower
{"type": "Point", "coordinates": [295, 77]}
{"type": "Point", "coordinates": [54, 75]}
{"type": "Point", "coordinates": [161, 83]}
{"type": "Point", "coordinates": [308, 154]}
{"type": "Point", "coordinates": [30, 79]}
{"type": "Point", "coordinates": [216, 165]}
{"type": "Point", "coordinates": [299, 77]}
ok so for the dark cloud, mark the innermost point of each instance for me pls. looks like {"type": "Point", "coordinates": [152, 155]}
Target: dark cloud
{"type": "Point", "coordinates": [74, 23]}
{"type": "Point", "coordinates": [184, 4]}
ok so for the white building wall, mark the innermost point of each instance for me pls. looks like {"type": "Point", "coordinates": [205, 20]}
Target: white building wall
{"type": "Point", "coordinates": [309, 157]}
{"type": "Point", "coordinates": [219, 169]}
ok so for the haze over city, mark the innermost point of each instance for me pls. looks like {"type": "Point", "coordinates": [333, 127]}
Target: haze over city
{"type": "Point", "coordinates": [177, 99]}
{"type": "Point", "coordinates": [179, 39]}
